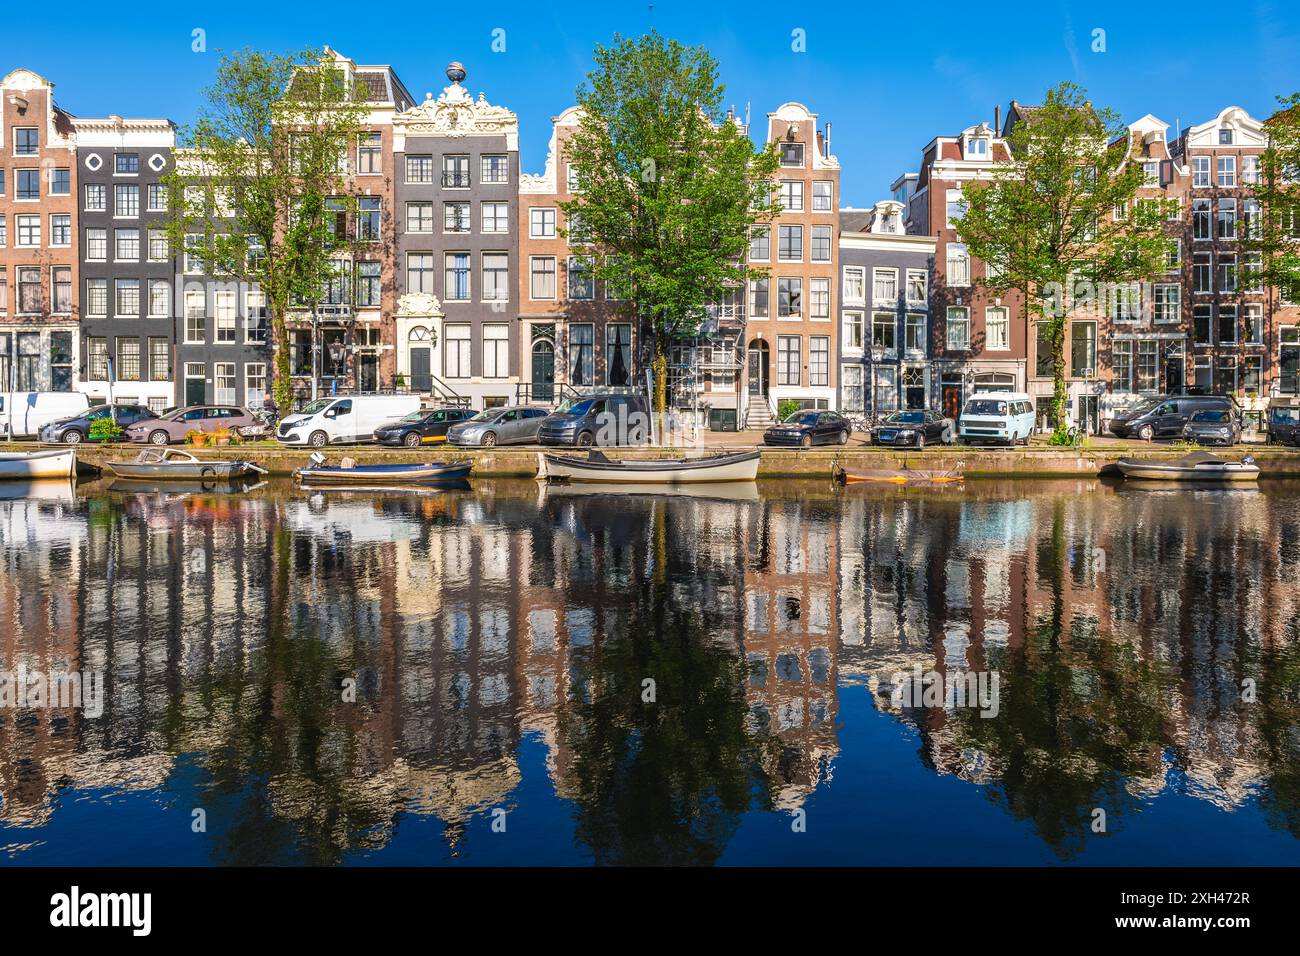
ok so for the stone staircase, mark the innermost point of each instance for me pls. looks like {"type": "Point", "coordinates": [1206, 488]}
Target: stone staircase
{"type": "Point", "coordinates": [758, 415]}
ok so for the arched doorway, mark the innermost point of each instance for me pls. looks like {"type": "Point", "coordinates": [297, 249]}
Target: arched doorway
{"type": "Point", "coordinates": [760, 364]}
{"type": "Point", "coordinates": [420, 349]}
{"type": "Point", "coordinates": [543, 371]}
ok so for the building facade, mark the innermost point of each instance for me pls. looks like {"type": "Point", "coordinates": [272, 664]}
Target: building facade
{"type": "Point", "coordinates": [38, 248]}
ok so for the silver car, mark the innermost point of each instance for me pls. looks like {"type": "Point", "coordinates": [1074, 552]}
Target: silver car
{"type": "Point", "coordinates": [508, 425]}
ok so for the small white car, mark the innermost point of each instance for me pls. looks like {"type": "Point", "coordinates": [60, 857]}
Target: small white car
{"type": "Point", "coordinates": [996, 418]}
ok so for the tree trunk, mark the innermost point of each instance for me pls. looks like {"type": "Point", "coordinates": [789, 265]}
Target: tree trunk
{"type": "Point", "coordinates": [283, 379]}
{"type": "Point", "coordinates": [660, 367]}
{"type": "Point", "coordinates": [1060, 400]}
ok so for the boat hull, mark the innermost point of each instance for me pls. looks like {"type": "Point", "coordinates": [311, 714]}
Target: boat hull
{"type": "Point", "coordinates": [719, 468]}
{"type": "Point", "coordinates": [23, 466]}
{"type": "Point", "coordinates": [427, 473]}
{"type": "Point", "coordinates": [181, 471]}
{"type": "Point", "coordinates": [886, 476]}
{"type": "Point", "coordinates": [1173, 471]}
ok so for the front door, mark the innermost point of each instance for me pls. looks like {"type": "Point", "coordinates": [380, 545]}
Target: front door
{"type": "Point", "coordinates": [195, 390]}
{"type": "Point", "coordinates": [368, 372]}
{"type": "Point", "coordinates": [543, 372]}
{"type": "Point", "coordinates": [421, 379]}
{"type": "Point", "coordinates": [759, 353]}
{"type": "Point", "coordinates": [951, 401]}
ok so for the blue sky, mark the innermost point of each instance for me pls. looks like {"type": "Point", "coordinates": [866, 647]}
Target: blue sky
{"type": "Point", "coordinates": [889, 77]}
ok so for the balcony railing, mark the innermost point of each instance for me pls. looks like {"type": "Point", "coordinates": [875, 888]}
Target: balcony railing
{"type": "Point", "coordinates": [454, 180]}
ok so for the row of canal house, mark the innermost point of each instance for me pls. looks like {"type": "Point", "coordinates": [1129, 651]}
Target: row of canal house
{"type": "Point", "coordinates": [458, 276]}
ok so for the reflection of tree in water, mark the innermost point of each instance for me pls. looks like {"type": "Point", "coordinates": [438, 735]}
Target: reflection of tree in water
{"type": "Point", "coordinates": [1279, 730]}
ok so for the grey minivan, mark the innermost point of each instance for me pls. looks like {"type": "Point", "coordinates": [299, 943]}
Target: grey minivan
{"type": "Point", "coordinates": [1164, 416]}
{"type": "Point", "coordinates": [600, 419]}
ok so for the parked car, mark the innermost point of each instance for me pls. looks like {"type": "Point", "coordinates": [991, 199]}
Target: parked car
{"type": "Point", "coordinates": [1213, 426]}
{"type": "Point", "coordinates": [340, 420]}
{"type": "Point", "coordinates": [913, 429]}
{"type": "Point", "coordinates": [1164, 416]}
{"type": "Point", "coordinates": [1284, 421]}
{"type": "Point", "coordinates": [600, 419]}
{"type": "Point", "coordinates": [997, 418]}
{"type": "Point", "coordinates": [422, 427]}
{"type": "Point", "coordinates": [809, 427]}
{"type": "Point", "coordinates": [23, 414]}
{"type": "Point", "coordinates": [174, 426]}
{"type": "Point", "coordinates": [509, 425]}
{"type": "Point", "coordinates": [76, 429]}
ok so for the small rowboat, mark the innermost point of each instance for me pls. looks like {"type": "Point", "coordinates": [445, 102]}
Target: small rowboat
{"type": "Point", "coordinates": [169, 464]}
{"type": "Point", "coordinates": [898, 476]}
{"type": "Point", "coordinates": [1198, 466]}
{"type": "Point", "coordinates": [669, 471]}
{"type": "Point", "coordinates": [319, 473]}
{"type": "Point", "coordinates": [25, 465]}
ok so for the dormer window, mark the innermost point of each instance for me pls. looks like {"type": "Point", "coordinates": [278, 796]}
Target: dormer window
{"type": "Point", "coordinates": [889, 222]}
{"type": "Point", "coordinates": [1152, 169]}
{"type": "Point", "coordinates": [1225, 137]}
{"type": "Point", "coordinates": [977, 147]}
{"type": "Point", "coordinates": [792, 154]}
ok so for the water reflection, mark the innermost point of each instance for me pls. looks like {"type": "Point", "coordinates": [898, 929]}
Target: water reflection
{"type": "Point", "coordinates": [322, 671]}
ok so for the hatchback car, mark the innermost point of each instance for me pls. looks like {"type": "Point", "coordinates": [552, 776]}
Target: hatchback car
{"type": "Point", "coordinates": [809, 427]}
{"type": "Point", "coordinates": [174, 426]}
{"type": "Point", "coordinates": [913, 429]}
{"type": "Point", "coordinates": [508, 425]}
{"type": "Point", "coordinates": [422, 427]}
{"type": "Point", "coordinates": [1213, 426]}
{"type": "Point", "coordinates": [75, 430]}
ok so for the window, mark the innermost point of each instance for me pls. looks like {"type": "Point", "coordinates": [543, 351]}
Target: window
{"type": "Point", "coordinates": [126, 201]}
{"type": "Point", "coordinates": [255, 324]}
{"type": "Point", "coordinates": [884, 332]}
{"type": "Point", "coordinates": [854, 284]}
{"type": "Point", "coordinates": [338, 283]}
{"type": "Point", "coordinates": [618, 353]}
{"type": "Point", "coordinates": [823, 196]}
{"type": "Point", "coordinates": [957, 333]}
{"type": "Point", "coordinates": [60, 182]}
{"type": "Point", "coordinates": [61, 229]}
{"type": "Point", "coordinates": [1202, 273]}
{"type": "Point", "coordinates": [1227, 272]}
{"type": "Point", "coordinates": [128, 359]}
{"type": "Point", "coordinates": [1254, 279]}
{"type": "Point", "coordinates": [494, 168]}
{"type": "Point", "coordinates": [419, 169]}
{"type": "Point", "coordinates": [97, 359]}
{"type": "Point", "coordinates": [541, 223]}
{"type": "Point", "coordinates": [455, 217]}
{"type": "Point", "coordinates": [884, 285]}
{"type": "Point", "coordinates": [1174, 255]}
{"type": "Point", "coordinates": [1125, 302]}
{"type": "Point", "coordinates": [886, 388]}
{"type": "Point", "coordinates": [368, 284]}
{"type": "Point", "coordinates": [1227, 325]}
{"type": "Point", "coordinates": [819, 361]}
{"type": "Point", "coordinates": [1227, 168]}
{"type": "Point", "coordinates": [4, 236]}
{"type": "Point", "coordinates": [821, 243]}
{"type": "Point", "coordinates": [97, 297]}
{"type": "Point", "coordinates": [196, 323]}
{"type": "Point", "coordinates": [158, 248]}
{"type": "Point", "coordinates": [126, 301]}
{"type": "Point", "coordinates": [159, 360]}
{"type": "Point", "coordinates": [496, 351]}
{"type": "Point", "coordinates": [1122, 366]}
{"type": "Point", "coordinates": [29, 184]}
{"type": "Point", "coordinates": [791, 195]}
{"type": "Point", "coordinates": [789, 241]}
{"type": "Point", "coordinates": [1201, 172]}
{"type": "Point", "coordinates": [157, 197]}
{"type": "Point", "coordinates": [819, 299]}
{"type": "Point", "coordinates": [457, 351]}
{"type": "Point", "coordinates": [495, 217]}
{"type": "Point", "coordinates": [789, 298]}
{"type": "Point", "coordinates": [455, 172]}
{"type": "Point", "coordinates": [542, 277]}
{"type": "Point", "coordinates": [4, 304]}
{"type": "Point", "coordinates": [419, 272]}
{"type": "Point", "coordinates": [1083, 348]}
{"type": "Point", "coordinates": [126, 245]}
{"type": "Point", "coordinates": [1253, 324]}
{"type": "Point", "coordinates": [96, 198]}
{"type": "Point", "coordinates": [1167, 302]}
{"type": "Point", "coordinates": [30, 299]}
{"type": "Point", "coordinates": [254, 383]}
{"type": "Point", "coordinates": [29, 230]}
{"type": "Point", "coordinates": [571, 178]}
{"type": "Point", "coordinates": [958, 264]}
{"type": "Point", "coordinates": [582, 285]}
{"type": "Point", "coordinates": [26, 142]}
{"type": "Point", "coordinates": [788, 354]}
{"type": "Point", "coordinates": [760, 243]}
{"type": "Point", "coordinates": [1252, 373]}
{"type": "Point", "coordinates": [1227, 219]}
{"type": "Point", "coordinates": [61, 280]}
{"type": "Point", "coordinates": [914, 332]}
{"type": "Point", "coordinates": [496, 273]}
{"type": "Point", "coordinates": [370, 150]}
{"type": "Point", "coordinates": [915, 285]}
{"type": "Point", "coordinates": [1200, 219]}
{"type": "Point", "coordinates": [456, 276]}
{"type": "Point", "coordinates": [1250, 170]}
{"type": "Point", "coordinates": [997, 328]}
{"type": "Point", "coordinates": [368, 219]}
{"type": "Point", "coordinates": [791, 154]}
{"type": "Point", "coordinates": [1201, 318]}
{"type": "Point", "coordinates": [851, 332]}
{"type": "Point", "coordinates": [977, 147]}
{"type": "Point", "coordinates": [160, 298]}
{"type": "Point", "coordinates": [760, 291]}
{"type": "Point", "coordinates": [126, 164]}
{"type": "Point", "coordinates": [419, 217]}
{"type": "Point", "coordinates": [956, 206]}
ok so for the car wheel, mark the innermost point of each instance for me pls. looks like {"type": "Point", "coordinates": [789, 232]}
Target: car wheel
{"type": "Point", "coordinates": [411, 439]}
{"type": "Point", "coordinates": [489, 439]}
{"type": "Point", "coordinates": [159, 437]}
{"type": "Point", "coordinates": [318, 440]}
{"type": "Point", "coordinates": [1146, 432]}
{"type": "Point", "coordinates": [805, 441]}
{"type": "Point", "coordinates": [920, 440]}
{"type": "Point", "coordinates": [71, 437]}
{"type": "Point", "coordinates": [948, 438]}
{"type": "Point", "coordinates": [844, 436]}
{"type": "Point", "coordinates": [585, 440]}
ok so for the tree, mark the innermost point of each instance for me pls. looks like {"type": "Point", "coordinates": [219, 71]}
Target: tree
{"type": "Point", "coordinates": [1060, 210]}
{"type": "Point", "coordinates": [1272, 238]}
{"type": "Point", "coordinates": [260, 180]}
{"type": "Point", "coordinates": [668, 185]}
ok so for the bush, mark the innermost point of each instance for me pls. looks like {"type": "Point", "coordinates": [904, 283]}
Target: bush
{"type": "Point", "coordinates": [785, 408]}
{"type": "Point", "coordinates": [105, 429]}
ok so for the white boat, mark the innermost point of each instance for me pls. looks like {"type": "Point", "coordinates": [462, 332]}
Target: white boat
{"type": "Point", "coordinates": [172, 463]}
{"type": "Point", "coordinates": [1198, 466]}
{"type": "Point", "coordinates": [742, 466]}
{"type": "Point", "coordinates": [22, 465]}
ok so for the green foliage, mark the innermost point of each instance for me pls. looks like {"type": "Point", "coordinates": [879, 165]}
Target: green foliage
{"type": "Point", "coordinates": [669, 186]}
{"type": "Point", "coordinates": [1060, 223]}
{"type": "Point", "coordinates": [260, 181]}
{"type": "Point", "coordinates": [785, 408]}
{"type": "Point", "coordinates": [1273, 237]}
{"type": "Point", "coordinates": [105, 429]}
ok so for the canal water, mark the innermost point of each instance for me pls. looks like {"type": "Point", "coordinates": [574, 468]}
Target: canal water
{"type": "Point", "coordinates": [511, 674]}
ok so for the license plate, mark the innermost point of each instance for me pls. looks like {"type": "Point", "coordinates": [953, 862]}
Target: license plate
{"type": "Point", "coordinates": [888, 436]}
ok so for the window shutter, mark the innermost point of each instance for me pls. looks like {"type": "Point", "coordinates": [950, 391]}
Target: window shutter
{"type": "Point", "coordinates": [1166, 172]}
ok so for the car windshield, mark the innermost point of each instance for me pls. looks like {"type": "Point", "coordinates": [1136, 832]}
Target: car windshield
{"type": "Point", "coordinates": [1284, 416]}
{"type": "Point", "coordinates": [986, 406]}
{"type": "Point", "coordinates": [1218, 415]}
{"type": "Point", "coordinates": [311, 408]}
{"type": "Point", "coordinates": [905, 418]}
{"type": "Point", "coordinates": [412, 418]}
{"type": "Point", "coordinates": [487, 415]}
{"type": "Point", "coordinates": [802, 418]}
{"type": "Point", "coordinates": [580, 409]}
{"type": "Point", "coordinates": [1143, 406]}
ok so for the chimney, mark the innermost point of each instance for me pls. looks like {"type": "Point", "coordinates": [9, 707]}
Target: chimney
{"type": "Point", "coordinates": [997, 119]}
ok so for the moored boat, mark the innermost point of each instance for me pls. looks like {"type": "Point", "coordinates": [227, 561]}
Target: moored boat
{"type": "Point", "coordinates": [1198, 466]}
{"type": "Point", "coordinates": [25, 465]}
{"type": "Point", "coordinates": [167, 464]}
{"type": "Point", "coordinates": [347, 473]}
{"type": "Point", "coordinates": [898, 476]}
{"type": "Point", "coordinates": [742, 466]}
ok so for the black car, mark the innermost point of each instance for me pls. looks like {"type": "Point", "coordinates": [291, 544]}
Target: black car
{"type": "Point", "coordinates": [1164, 416]}
{"type": "Point", "coordinates": [75, 430]}
{"type": "Point", "coordinates": [422, 427]}
{"type": "Point", "coordinates": [809, 427]}
{"type": "Point", "coordinates": [1284, 423]}
{"type": "Point", "coordinates": [913, 429]}
{"type": "Point", "coordinates": [1213, 426]}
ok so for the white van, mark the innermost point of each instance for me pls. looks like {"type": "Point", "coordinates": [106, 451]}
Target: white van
{"type": "Point", "coordinates": [996, 418]}
{"type": "Point", "coordinates": [343, 419]}
{"type": "Point", "coordinates": [24, 414]}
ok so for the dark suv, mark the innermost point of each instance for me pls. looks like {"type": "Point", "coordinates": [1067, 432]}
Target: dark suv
{"type": "Point", "coordinates": [599, 419]}
{"type": "Point", "coordinates": [1165, 415]}
{"type": "Point", "coordinates": [1284, 422]}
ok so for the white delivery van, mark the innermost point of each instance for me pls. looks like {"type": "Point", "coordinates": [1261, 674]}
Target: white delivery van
{"type": "Point", "coordinates": [344, 419]}
{"type": "Point", "coordinates": [23, 414]}
{"type": "Point", "coordinates": [996, 418]}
